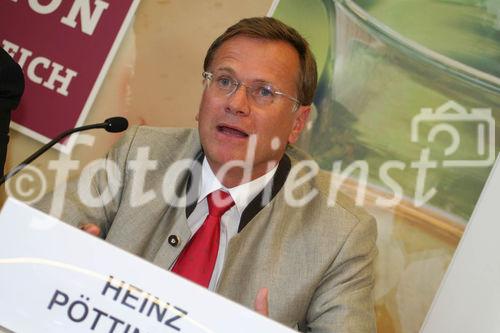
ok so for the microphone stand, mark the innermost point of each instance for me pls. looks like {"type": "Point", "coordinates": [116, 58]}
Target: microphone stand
{"type": "Point", "coordinates": [46, 147]}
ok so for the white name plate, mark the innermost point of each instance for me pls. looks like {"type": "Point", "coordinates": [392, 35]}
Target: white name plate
{"type": "Point", "coordinates": [55, 278]}
{"type": "Point", "coordinates": [468, 299]}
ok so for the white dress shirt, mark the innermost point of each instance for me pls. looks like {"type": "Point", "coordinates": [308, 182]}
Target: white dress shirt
{"type": "Point", "coordinates": [242, 195]}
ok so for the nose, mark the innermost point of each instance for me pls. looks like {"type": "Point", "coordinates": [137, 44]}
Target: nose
{"type": "Point", "coordinates": [237, 102]}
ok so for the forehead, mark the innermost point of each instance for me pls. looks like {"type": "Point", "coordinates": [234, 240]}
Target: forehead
{"type": "Point", "coordinates": [258, 59]}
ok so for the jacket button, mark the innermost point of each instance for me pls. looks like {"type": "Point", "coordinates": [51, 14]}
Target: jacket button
{"type": "Point", "coordinates": [174, 240]}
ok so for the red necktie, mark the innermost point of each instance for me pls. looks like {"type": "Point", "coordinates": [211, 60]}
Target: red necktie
{"type": "Point", "coordinates": [197, 260]}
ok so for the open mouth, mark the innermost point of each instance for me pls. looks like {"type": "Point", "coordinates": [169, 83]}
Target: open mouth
{"type": "Point", "coordinates": [231, 131]}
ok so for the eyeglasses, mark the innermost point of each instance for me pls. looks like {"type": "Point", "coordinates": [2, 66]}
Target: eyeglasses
{"type": "Point", "coordinates": [262, 94]}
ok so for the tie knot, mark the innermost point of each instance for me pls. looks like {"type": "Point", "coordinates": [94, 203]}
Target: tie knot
{"type": "Point", "coordinates": [219, 202]}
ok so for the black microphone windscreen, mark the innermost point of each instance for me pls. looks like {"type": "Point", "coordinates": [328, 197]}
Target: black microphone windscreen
{"type": "Point", "coordinates": [11, 82]}
{"type": "Point", "coordinates": [116, 124]}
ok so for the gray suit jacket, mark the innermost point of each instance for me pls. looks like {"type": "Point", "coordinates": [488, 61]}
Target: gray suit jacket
{"type": "Point", "coordinates": [317, 261]}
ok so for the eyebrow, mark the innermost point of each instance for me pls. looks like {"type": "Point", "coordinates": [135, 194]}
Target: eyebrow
{"type": "Point", "coordinates": [226, 69]}
{"type": "Point", "coordinates": [232, 72]}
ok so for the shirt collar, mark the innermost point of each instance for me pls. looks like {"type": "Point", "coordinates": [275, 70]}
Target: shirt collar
{"type": "Point", "coordinates": [242, 194]}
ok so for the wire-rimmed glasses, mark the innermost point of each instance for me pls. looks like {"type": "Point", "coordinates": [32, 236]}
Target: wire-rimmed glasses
{"type": "Point", "coordinates": [261, 93]}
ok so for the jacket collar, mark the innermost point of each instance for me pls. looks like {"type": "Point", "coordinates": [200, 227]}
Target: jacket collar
{"type": "Point", "coordinates": [255, 206]}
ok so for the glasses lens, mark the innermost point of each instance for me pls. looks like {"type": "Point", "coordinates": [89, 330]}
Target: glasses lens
{"type": "Point", "coordinates": [262, 94]}
{"type": "Point", "coordinates": [224, 83]}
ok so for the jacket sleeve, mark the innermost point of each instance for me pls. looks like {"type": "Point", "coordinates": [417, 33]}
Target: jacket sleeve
{"type": "Point", "coordinates": [95, 195]}
{"type": "Point", "coordinates": [343, 301]}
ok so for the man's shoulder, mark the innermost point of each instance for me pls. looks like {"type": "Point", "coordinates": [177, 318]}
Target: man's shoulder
{"type": "Point", "coordinates": [162, 143]}
{"type": "Point", "coordinates": [150, 134]}
{"type": "Point", "coordinates": [329, 201]}
{"type": "Point", "coordinates": [160, 137]}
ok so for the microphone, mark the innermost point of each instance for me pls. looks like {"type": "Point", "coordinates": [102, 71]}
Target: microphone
{"type": "Point", "coordinates": [112, 125]}
{"type": "Point", "coordinates": [116, 124]}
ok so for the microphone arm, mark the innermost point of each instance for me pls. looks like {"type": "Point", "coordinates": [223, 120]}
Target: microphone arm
{"type": "Point", "coordinates": [115, 125]}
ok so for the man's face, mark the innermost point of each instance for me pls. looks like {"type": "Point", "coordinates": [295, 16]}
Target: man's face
{"type": "Point", "coordinates": [225, 123]}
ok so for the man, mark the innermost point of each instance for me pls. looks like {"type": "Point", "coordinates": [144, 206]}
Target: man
{"type": "Point", "coordinates": [280, 246]}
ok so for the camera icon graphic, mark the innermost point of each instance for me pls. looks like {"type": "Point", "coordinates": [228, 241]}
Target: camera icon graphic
{"type": "Point", "coordinates": [479, 126]}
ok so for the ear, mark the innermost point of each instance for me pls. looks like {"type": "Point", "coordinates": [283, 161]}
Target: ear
{"type": "Point", "coordinates": [301, 118]}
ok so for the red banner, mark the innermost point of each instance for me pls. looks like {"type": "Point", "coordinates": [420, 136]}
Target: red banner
{"type": "Point", "coordinates": [64, 48]}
